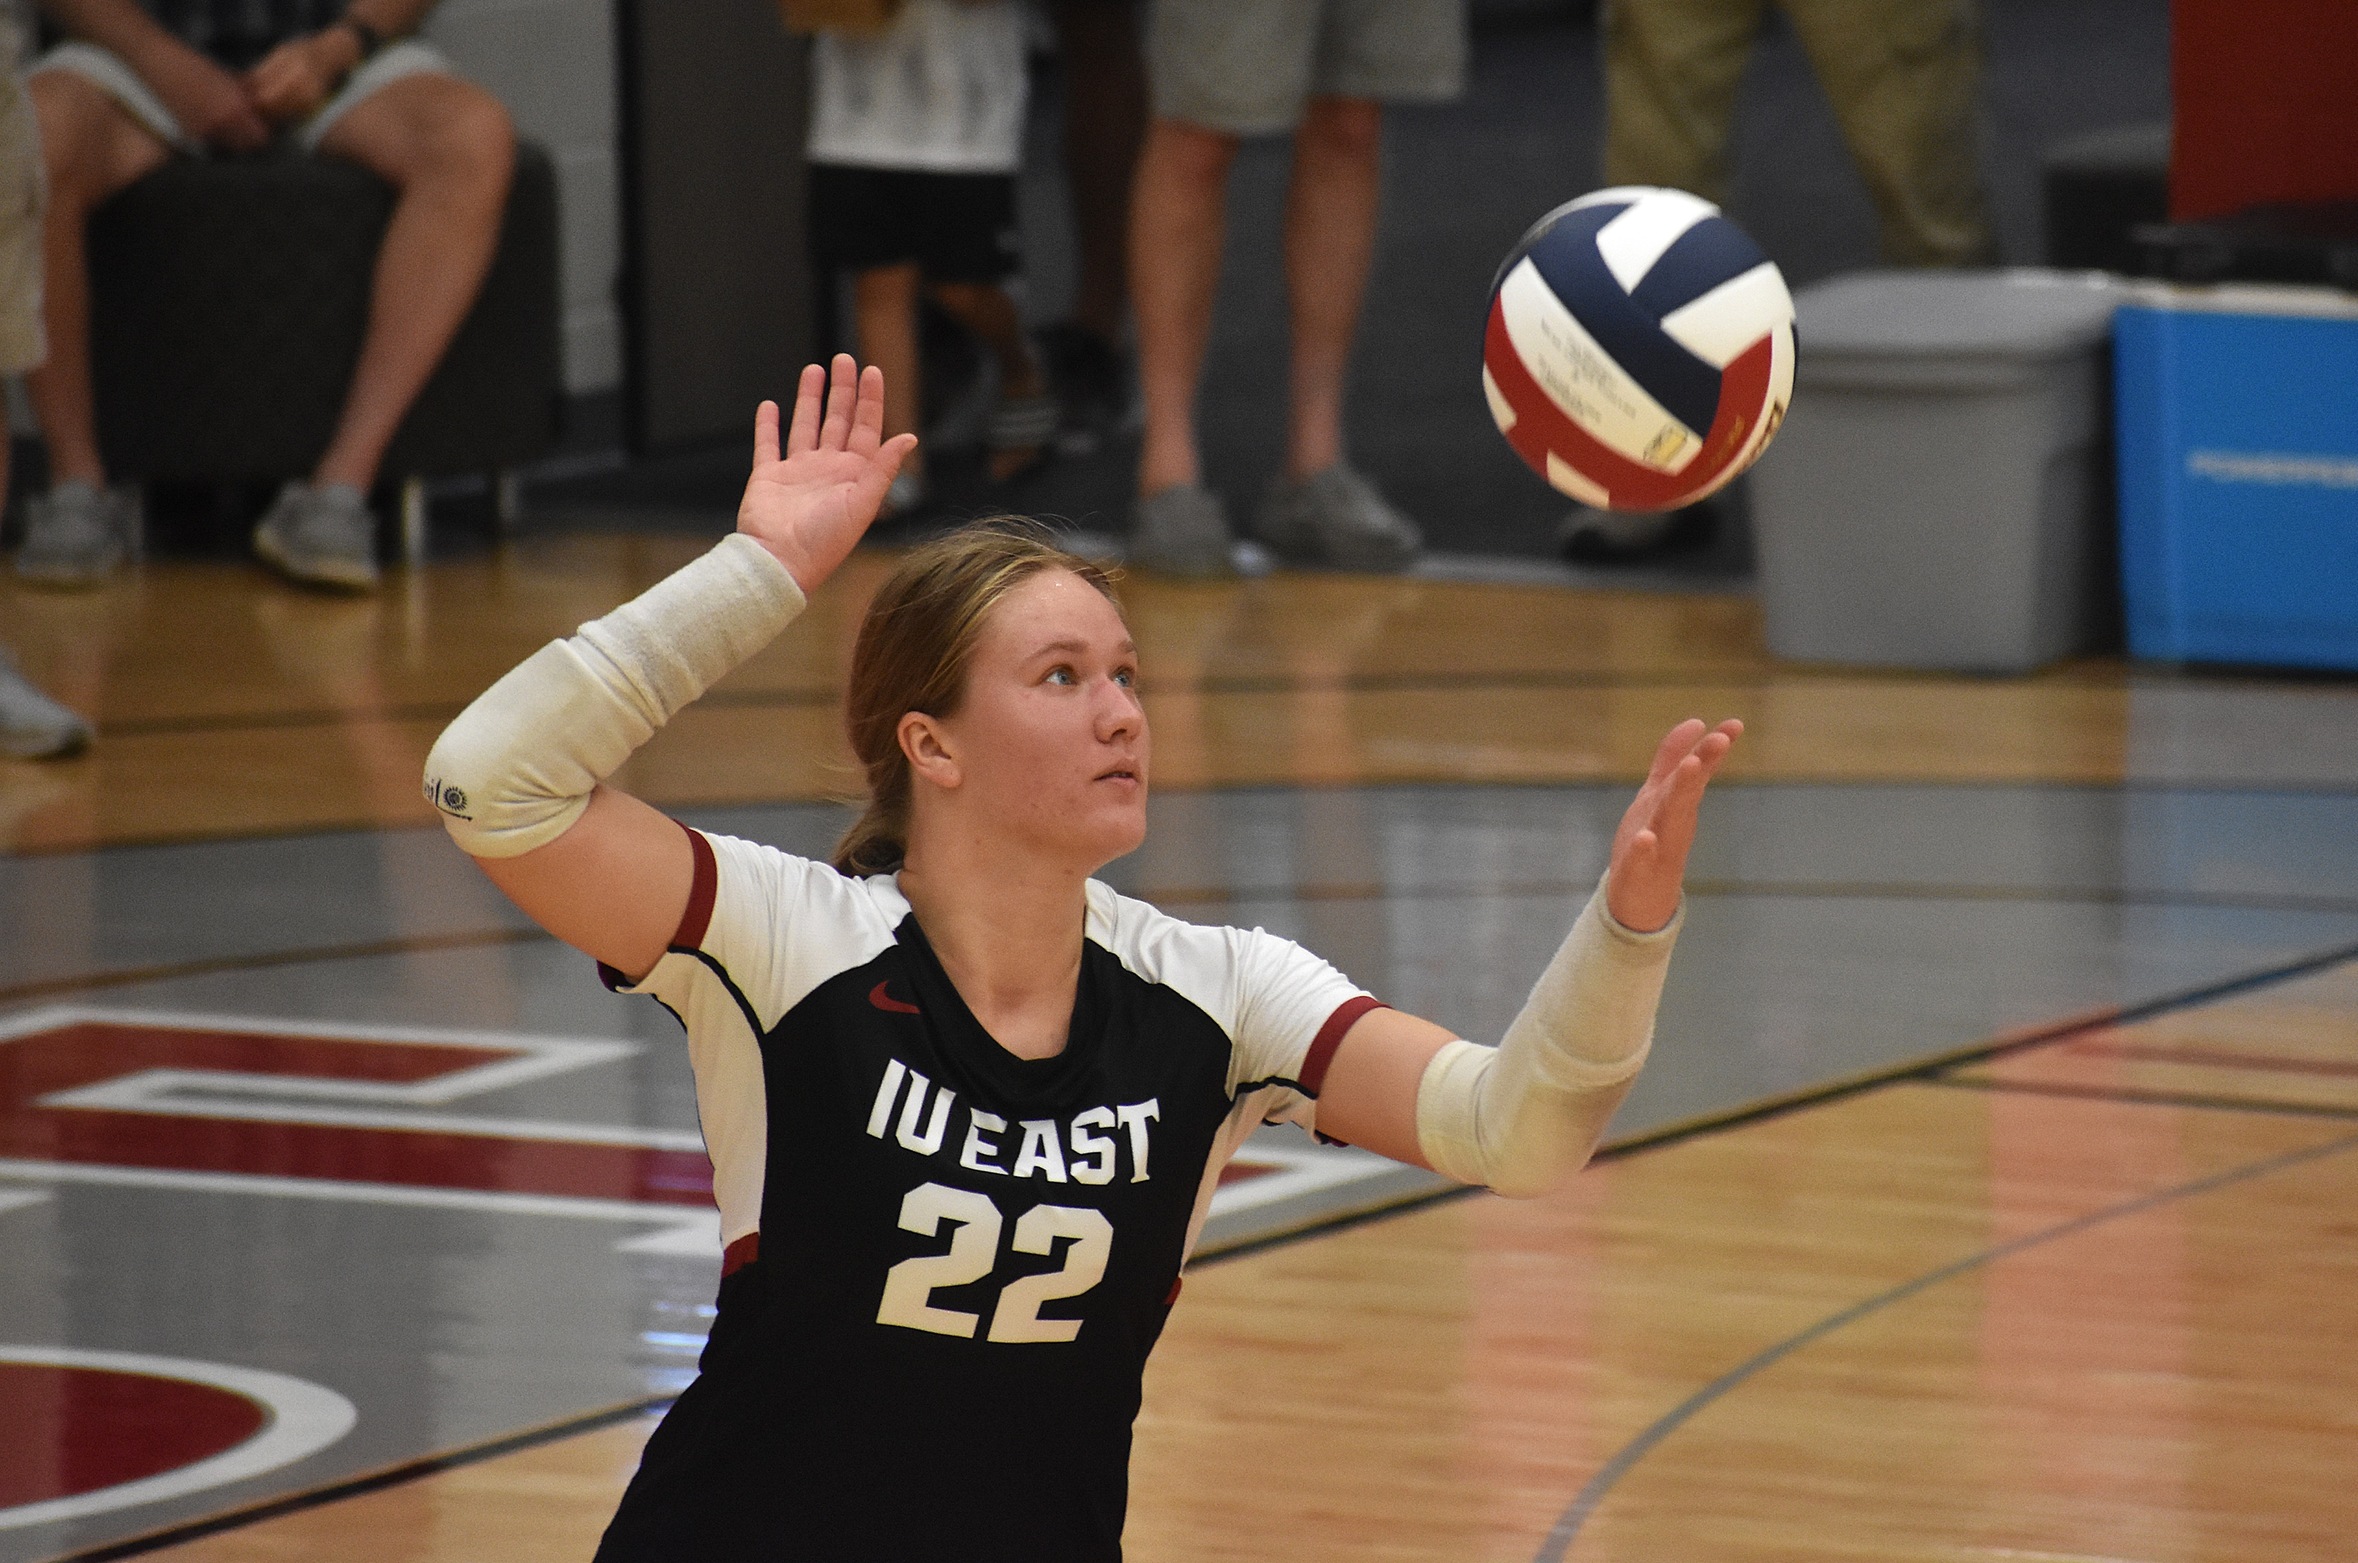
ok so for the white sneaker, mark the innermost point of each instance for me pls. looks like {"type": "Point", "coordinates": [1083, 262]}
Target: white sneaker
{"type": "Point", "coordinates": [33, 726]}
{"type": "Point", "coordinates": [321, 537]}
{"type": "Point", "coordinates": [78, 534]}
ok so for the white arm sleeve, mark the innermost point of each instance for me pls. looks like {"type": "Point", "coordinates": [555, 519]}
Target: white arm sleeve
{"type": "Point", "coordinates": [1523, 1116]}
{"type": "Point", "coordinates": [517, 767]}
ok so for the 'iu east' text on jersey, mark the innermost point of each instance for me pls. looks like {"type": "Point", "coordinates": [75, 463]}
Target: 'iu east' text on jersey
{"type": "Point", "coordinates": [946, 1264]}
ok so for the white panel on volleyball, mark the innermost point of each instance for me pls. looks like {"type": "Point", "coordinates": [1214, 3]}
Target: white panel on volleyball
{"type": "Point", "coordinates": [1723, 324]}
{"type": "Point", "coordinates": [1633, 241]}
{"type": "Point", "coordinates": [1581, 378]}
{"type": "Point", "coordinates": [1568, 479]}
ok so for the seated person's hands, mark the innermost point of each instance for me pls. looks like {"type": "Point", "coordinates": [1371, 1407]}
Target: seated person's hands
{"type": "Point", "coordinates": [294, 79]}
{"type": "Point", "coordinates": [210, 103]}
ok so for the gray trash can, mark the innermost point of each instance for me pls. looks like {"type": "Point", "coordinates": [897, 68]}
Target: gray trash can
{"type": "Point", "coordinates": [1939, 496]}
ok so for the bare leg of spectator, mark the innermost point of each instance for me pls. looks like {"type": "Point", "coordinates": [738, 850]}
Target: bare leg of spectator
{"type": "Point", "coordinates": [447, 149]}
{"type": "Point", "coordinates": [884, 327]}
{"type": "Point", "coordinates": [1330, 225]}
{"type": "Point", "coordinates": [1179, 222]}
{"type": "Point", "coordinates": [1104, 126]}
{"type": "Point", "coordinates": [1017, 432]}
{"type": "Point", "coordinates": [90, 149]}
{"type": "Point", "coordinates": [78, 533]}
{"type": "Point", "coordinates": [1325, 512]}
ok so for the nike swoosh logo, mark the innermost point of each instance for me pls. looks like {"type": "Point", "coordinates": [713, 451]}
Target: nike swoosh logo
{"type": "Point", "coordinates": [890, 1005]}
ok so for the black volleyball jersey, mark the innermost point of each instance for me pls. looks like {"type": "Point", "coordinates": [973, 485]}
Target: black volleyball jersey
{"type": "Point", "coordinates": [947, 1264]}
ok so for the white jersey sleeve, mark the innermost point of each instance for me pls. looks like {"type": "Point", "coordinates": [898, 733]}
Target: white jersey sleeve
{"type": "Point", "coordinates": [1284, 1009]}
{"type": "Point", "coordinates": [763, 928]}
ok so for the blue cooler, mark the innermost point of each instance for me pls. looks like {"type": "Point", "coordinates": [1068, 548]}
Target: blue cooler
{"type": "Point", "coordinates": [2238, 461]}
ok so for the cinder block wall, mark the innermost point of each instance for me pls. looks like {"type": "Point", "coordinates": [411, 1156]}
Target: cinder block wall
{"type": "Point", "coordinates": [552, 63]}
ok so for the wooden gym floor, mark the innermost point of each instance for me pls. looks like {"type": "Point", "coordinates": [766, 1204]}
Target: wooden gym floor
{"type": "Point", "coordinates": [2080, 1291]}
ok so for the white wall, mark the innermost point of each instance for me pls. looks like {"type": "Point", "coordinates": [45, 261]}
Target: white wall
{"type": "Point", "coordinates": [552, 63]}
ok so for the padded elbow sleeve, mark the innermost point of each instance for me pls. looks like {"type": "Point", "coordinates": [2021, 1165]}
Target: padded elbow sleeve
{"type": "Point", "coordinates": [518, 766]}
{"type": "Point", "coordinates": [1522, 1117]}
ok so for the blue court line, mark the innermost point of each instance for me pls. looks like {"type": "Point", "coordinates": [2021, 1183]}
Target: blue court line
{"type": "Point", "coordinates": [1584, 1503]}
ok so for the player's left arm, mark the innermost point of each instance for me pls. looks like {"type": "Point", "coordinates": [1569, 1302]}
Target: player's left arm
{"type": "Point", "coordinates": [1523, 1116]}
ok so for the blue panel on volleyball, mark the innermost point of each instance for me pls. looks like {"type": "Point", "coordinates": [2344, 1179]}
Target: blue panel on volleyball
{"type": "Point", "coordinates": [2238, 453]}
{"type": "Point", "coordinates": [1566, 255]}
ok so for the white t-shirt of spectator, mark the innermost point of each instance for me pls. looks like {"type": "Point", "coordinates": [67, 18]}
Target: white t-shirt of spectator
{"type": "Point", "coordinates": [942, 92]}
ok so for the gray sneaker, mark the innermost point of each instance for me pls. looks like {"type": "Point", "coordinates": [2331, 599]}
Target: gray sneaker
{"type": "Point", "coordinates": [321, 537]}
{"type": "Point", "coordinates": [78, 534]}
{"type": "Point", "coordinates": [1181, 530]}
{"type": "Point", "coordinates": [33, 726]}
{"type": "Point", "coordinates": [1337, 519]}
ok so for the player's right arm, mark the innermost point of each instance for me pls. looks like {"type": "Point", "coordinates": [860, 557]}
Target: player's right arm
{"type": "Point", "coordinates": [519, 777]}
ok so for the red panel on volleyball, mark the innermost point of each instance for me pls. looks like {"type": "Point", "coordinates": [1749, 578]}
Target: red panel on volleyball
{"type": "Point", "coordinates": [1542, 429]}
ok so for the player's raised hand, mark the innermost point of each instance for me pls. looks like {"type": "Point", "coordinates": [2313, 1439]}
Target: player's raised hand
{"type": "Point", "coordinates": [1650, 848]}
{"type": "Point", "coordinates": [810, 503]}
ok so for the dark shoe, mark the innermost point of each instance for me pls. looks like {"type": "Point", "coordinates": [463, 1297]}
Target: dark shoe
{"type": "Point", "coordinates": [1608, 537]}
{"type": "Point", "coordinates": [1093, 386]}
{"type": "Point", "coordinates": [33, 726]}
{"type": "Point", "coordinates": [1338, 520]}
{"type": "Point", "coordinates": [1182, 530]}
{"type": "Point", "coordinates": [320, 537]}
{"type": "Point", "coordinates": [77, 535]}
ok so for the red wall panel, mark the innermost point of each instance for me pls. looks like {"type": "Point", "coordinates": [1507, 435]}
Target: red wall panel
{"type": "Point", "coordinates": [2266, 103]}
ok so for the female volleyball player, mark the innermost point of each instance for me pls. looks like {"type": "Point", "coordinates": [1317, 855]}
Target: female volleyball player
{"type": "Point", "coordinates": [966, 1106]}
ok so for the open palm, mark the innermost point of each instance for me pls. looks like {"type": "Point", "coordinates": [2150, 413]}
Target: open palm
{"type": "Point", "coordinates": [1650, 847]}
{"type": "Point", "coordinates": [810, 504]}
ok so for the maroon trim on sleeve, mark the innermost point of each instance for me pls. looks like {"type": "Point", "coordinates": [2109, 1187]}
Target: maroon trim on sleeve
{"type": "Point", "coordinates": [1330, 1036]}
{"type": "Point", "coordinates": [739, 1254]}
{"type": "Point", "coordinates": [706, 884]}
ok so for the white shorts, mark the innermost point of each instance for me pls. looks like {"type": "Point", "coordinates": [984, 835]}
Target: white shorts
{"type": "Point", "coordinates": [110, 75]}
{"type": "Point", "coordinates": [1248, 67]}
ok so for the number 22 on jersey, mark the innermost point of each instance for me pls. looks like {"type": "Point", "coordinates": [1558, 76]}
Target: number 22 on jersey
{"type": "Point", "coordinates": [974, 1249]}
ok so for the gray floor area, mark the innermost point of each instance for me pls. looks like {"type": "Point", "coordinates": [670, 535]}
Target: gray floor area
{"type": "Point", "coordinates": [1831, 930]}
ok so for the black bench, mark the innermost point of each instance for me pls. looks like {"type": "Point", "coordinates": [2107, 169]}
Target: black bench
{"type": "Point", "coordinates": [228, 301]}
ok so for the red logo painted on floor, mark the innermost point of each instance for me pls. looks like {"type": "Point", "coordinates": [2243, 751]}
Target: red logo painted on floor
{"type": "Point", "coordinates": [128, 1092]}
{"type": "Point", "coordinates": [74, 1430]}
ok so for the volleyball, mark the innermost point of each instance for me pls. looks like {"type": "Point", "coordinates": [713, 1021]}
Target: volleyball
{"type": "Point", "coordinates": [1639, 351]}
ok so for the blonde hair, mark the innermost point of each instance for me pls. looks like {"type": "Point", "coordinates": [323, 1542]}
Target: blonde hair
{"type": "Point", "coordinates": [914, 649]}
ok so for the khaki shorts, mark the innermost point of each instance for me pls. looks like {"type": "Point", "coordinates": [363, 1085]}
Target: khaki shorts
{"type": "Point", "coordinates": [1247, 67]}
{"type": "Point", "coordinates": [22, 345]}
{"type": "Point", "coordinates": [110, 75]}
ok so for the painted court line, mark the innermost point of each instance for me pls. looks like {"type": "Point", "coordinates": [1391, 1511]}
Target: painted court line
{"type": "Point", "coordinates": [686, 1230]}
{"type": "Point", "coordinates": [2213, 1058]}
{"type": "Point", "coordinates": [2132, 1096]}
{"type": "Point", "coordinates": [1584, 1503]}
{"type": "Point", "coordinates": [353, 1487]}
{"type": "Point", "coordinates": [304, 1419]}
